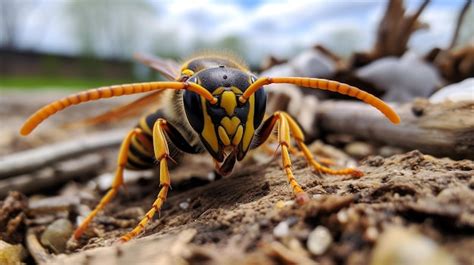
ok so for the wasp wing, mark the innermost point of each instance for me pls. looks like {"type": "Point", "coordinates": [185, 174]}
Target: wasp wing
{"type": "Point", "coordinates": [167, 67]}
{"type": "Point", "coordinates": [130, 110]}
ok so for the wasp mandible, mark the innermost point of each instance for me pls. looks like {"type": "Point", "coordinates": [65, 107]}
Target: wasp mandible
{"type": "Point", "coordinates": [216, 105]}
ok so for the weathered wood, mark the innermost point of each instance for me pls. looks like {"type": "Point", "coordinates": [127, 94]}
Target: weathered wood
{"type": "Point", "coordinates": [394, 32]}
{"type": "Point", "coordinates": [459, 22]}
{"type": "Point", "coordinates": [32, 160]}
{"type": "Point", "coordinates": [51, 176]}
{"type": "Point", "coordinates": [445, 129]}
{"type": "Point", "coordinates": [37, 251]}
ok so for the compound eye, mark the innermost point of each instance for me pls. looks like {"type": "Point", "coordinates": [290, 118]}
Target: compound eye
{"type": "Point", "coordinates": [193, 80]}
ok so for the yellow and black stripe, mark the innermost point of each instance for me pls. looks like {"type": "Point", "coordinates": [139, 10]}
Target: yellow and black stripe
{"type": "Point", "coordinates": [141, 155]}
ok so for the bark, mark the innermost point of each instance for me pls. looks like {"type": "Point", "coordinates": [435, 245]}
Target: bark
{"type": "Point", "coordinates": [30, 161]}
{"type": "Point", "coordinates": [445, 129]}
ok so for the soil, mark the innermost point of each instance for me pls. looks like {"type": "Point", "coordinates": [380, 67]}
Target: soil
{"type": "Point", "coordinates": [250, 217]}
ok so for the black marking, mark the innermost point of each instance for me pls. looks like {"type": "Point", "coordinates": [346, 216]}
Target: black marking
{"type": "Point", "coordinates": [178, 140]}
{"type": "Point", "coordinates": [211, 79]}
{"type": "Point", "coordinates": [263, 132]}
{"type": "Point", "coordinates": [133, 165]}
{"type": "Point", "coordinates": [228, 165]}
{"type": "Point", "coordinates": [143, 157]}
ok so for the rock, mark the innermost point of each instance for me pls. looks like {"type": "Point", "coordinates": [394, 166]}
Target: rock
{"type": "Point", "coordinates": [319, 240]}
{"type": "Point", "coordinates": [10, 254]}
{"type": "Point", "coordinates": [462, 91]}
{"type": "Point", "coordinates": [387, 151]}
{"type": "Point", "coordinates": [403, 78]}
{"type": "Point", "coordinates": [400, 246]}
{"type": "Point", "coordinates": [313, 63]}
{"type": "Point", "coordinates": [359, 149]}
{"type": "Point", "coordinates": [281, 230]}
{"type": "Point", "coordinates": [184, 205]}
{"type": "Point", "coordinates": [310, 63]}
{"type": "Point", "coordinates": [57, 234]}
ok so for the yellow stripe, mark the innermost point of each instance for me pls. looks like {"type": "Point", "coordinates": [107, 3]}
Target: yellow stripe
{"type": "Point", "coordinates": [228, 102]}
{"type": "Point", "coordinates": [144, 125]}
{"type": "Point", "coordinates": [139, 146]}
{"type": "Point", "coordinates": [230, 125]}
{"type": "Point", "coordinates": [136, 159]}
{"type": "Point", "coordinates": [223, 135]}
{"type": "Point", "coordinates": [238, 135]}
{"type": "Point", "coordinates": [249, 129]}
{"type": "Point", "coordinates": [208, 132]}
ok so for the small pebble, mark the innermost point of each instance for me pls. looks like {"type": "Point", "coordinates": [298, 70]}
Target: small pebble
{"type": "Point", "coordinates": [319, 240]}
{"type": "Point", "coordinates": [387, 151]}
{"type": "Point", "coordinates": [371, 234]}
{"type": "Point", "coordinates": [317, 196]}
{"type": "Point", "coordinates": [184, 205]}
{"type": "Point", "coordinates": [211, 176]}
{"type": "Point", "coordinates": [342, 216]}
{"type": "Point", "coordinates": [10, 254]}
{"type": "Point", "coordinates": [57, 234]}
{"type": "Point", "coordinates": [400, 246]}
{"type": "Point", "coordinates": [283, 204]}
{"type": "Point", "coordinates": [281, 230]}
{"type": "Point", "coordinates": [280, 204]}
{"type": "Point", "coordinates": [359, 149]}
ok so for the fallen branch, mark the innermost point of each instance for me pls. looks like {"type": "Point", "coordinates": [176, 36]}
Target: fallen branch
{"type": "Point", "coordinates": [37, 251]}
{"type": "Point", "coordinates": [51, 176]}
{"type": "Point", "coordinates": [445, 129]}
{"type": "Point", "coordinates": [459, 22]}
{"type": "Point", "coordinates": [29, 161]}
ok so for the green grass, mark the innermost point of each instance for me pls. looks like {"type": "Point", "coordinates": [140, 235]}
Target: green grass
{"type": "Point", "coordinates": [49, 82]}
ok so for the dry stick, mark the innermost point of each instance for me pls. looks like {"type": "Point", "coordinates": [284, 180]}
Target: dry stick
{"type": "Point", "coordinates": [445, 129]}
{"type": "Point", "coordinates": [459, 22]}
{"type": "Point", "coordinates": [88, 165]}
{"type": "Point", "coordinates": [37, 251]}
{"type": "Point", "coordinates": [29, 161]}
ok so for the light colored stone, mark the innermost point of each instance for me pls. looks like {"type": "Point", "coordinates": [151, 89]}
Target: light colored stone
{"type": "Point", "coordinates": [403, 78]}
{"type": "Point", "coordinates": [184, 205]}
{"type": "Point", "coordinates": [281, 230]}
{"type": "Point", "coordinates": [400, 246]}
{"type": "Point", "coordinates": [10, 254]}
{"type": "Point", "coordinates": [462, 91]}
{"type": "Point", "coordinates": [359, 149]}
{"type": "Point", "coordinates": [319, 240]}
{"type": "Point", "coordinates": [57, 234]}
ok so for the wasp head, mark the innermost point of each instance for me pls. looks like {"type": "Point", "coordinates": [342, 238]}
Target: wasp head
{"type": "Point", "coordinates": [227, 127]}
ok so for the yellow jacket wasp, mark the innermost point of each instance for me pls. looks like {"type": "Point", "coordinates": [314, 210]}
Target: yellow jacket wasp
{"type": "Point", "coordinates": [218, 106]}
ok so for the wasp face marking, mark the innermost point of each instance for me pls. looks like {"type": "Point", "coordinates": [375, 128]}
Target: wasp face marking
{"type": "Point", "coordinates": [228, 126]}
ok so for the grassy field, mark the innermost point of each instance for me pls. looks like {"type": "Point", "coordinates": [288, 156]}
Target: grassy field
{"type": "Point", "coordinates": [41, 82]}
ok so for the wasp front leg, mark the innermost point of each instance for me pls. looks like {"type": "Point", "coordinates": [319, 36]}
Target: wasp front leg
{"type": "Point", "coordinates": [299, 137]}
{"type": "Point", "coordinates": [162, 155]}
{"type": "Point", "coordinates": [118, 181]}
{"type": "Point", "coordinates": [286, 125]}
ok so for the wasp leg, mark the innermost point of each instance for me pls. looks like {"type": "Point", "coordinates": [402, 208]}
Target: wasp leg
{"type": "Point", "coordinates": [264, 132]}
{"type": "Point", "coordinates": [118, 181]}
{"type": "Point", "coordinates": [162, 155]}
{"type": "Point", "coordinates": [299, 137]}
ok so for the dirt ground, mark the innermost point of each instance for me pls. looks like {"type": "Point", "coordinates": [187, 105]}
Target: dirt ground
{"type": "Point", "coordinates": [408, 207]}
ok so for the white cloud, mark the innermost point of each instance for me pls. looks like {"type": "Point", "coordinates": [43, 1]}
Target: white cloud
{"type": "Point", "coordinates": [271, 27]}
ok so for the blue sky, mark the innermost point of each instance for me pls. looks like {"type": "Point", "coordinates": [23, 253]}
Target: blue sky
{"type": "Point", "coordinates": [265, 27]}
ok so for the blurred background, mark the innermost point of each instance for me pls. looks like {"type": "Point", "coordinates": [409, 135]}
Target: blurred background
{"type": "Point", "coordinates": [79, 44]}
{"type": "Point", "coordinates": [418, 56]}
